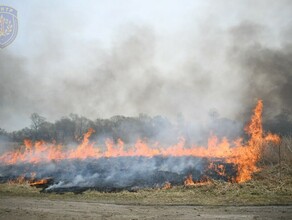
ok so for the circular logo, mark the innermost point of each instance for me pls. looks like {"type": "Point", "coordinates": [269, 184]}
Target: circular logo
{"type": "Point", "coordinates": [8, 25]}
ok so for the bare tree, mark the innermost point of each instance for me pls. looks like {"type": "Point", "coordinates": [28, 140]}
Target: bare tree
{"type": "Point", "coordinates": [36, 122]}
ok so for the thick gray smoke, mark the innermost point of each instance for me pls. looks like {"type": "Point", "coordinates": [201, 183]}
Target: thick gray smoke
{"type": "Point", "coordinates": [265, 70]}
{"type": "Point", "coordinates": [222, 56]}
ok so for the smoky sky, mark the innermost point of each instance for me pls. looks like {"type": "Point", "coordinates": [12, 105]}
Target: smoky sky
{"type": "Point", "coordinates": [221, 56]}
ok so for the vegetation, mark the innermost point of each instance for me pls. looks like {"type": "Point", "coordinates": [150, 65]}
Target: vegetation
{"type": "Point", "coordinates": [71, 128]}
{"type": "Point", "coordinates": [129, 129]}
{"type": "Point", "coordinates": [267, 188]}
{"type": "Point", "coordinates": [272, 185]}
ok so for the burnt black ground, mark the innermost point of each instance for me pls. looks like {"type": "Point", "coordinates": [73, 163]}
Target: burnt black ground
{"type": "Point", "coordinates": [117, 174]}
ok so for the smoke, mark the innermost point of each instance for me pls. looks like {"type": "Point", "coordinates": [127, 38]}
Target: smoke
{"type": "Point", "coordinates": [110, 174]}
{"type": "Point", "coordinates": [222, 56]}
{"type": "Point", "coordinates": [265, 69]}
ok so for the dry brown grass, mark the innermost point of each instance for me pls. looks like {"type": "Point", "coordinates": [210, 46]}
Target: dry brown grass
{"type": "Point", "coordinates": [281, 153]}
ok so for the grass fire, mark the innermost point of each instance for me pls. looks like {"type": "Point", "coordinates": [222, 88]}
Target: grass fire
{"type": "Point", "coordinates": [145, 109]}
{"type": "Point", "coordinates": [121, 167]}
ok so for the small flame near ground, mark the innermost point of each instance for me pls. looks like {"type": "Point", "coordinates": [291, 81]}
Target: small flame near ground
{"type": "Point", "coordinates": [39, 182]}
{"type": "Point", "coordinates": [244, 155]}
{"type": "Point", "coordinates": [167, 185]}
{"type": "Point", "coordinates": [32, 180]}
{"type": "Point", "coordinates": [189, 181]}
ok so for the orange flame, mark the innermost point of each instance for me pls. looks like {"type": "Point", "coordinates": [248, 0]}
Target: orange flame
{"type": "Point", "coordinates": [189, 181]}
{"type": "Point", "coordinates": [219, 169]}
{"type": "Point", "coordinates": [167, 185]}
{"type": "Point", "coordinates": [244, 155]}
{"type": "Point", "coordinates": [39, 182]}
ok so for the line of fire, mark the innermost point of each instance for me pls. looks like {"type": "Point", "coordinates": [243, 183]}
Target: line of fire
{"type": "Point", "coordinates": [56, 168]}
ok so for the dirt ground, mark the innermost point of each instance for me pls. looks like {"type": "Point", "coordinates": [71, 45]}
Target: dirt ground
{"type": "Point", "coordinates": [41, 208]}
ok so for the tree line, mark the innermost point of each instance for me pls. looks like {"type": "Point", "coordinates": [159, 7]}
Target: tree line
{"type": "Point", "coordinates": [71, 128]}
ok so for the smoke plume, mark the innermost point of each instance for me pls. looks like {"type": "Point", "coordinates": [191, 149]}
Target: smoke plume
{"type": "Point", "coordinates": [220, 56]}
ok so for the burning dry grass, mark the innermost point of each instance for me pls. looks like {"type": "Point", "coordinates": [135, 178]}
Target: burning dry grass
{"type": "Point", "coordinates": [266, 188]}
{"type": "Point", "coordinates": [265, 178]}
{"type": "Point", "coordinates": [270, 186]}
{"type": "Point", "coordinates": [240, 157]}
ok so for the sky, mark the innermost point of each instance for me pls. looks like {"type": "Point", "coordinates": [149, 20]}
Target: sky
{"type": "Point", "coordinates": [106, 58]}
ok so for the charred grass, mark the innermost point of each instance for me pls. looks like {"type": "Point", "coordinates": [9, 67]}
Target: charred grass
{"type": "Point", "coordinates": [270, 186]}
{"type": "Point", "coordinates": [267, 188]}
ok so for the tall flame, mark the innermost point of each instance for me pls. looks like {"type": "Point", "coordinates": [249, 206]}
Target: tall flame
{"type": "Point", "coordinates": [244, 155]}
{"type": "Point", "coordinates": [247, 156]}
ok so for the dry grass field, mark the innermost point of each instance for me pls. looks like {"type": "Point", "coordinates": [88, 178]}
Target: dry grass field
{"type": "Point", "coordinates": [267, 196]}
